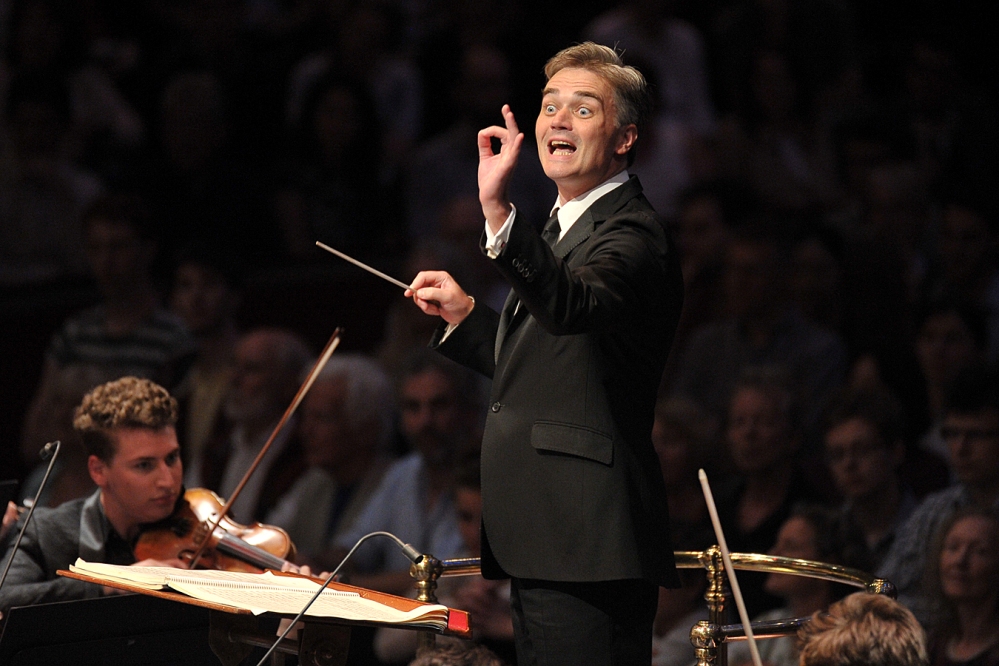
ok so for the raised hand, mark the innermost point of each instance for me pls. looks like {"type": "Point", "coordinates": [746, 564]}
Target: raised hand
{"type": "Point", "coordinates": [495, 169]}
{"type": "Point", "coordinates": [436, 293]}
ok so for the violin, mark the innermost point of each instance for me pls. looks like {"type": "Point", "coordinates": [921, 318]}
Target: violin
{"type": "Point", "coordinates": [231, 546]}
{"type": "Point", "coordinates": [204, 526]}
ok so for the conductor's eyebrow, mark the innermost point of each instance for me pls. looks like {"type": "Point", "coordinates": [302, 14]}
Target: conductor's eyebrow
{"type": "Point", "coordinates": [579, 94]}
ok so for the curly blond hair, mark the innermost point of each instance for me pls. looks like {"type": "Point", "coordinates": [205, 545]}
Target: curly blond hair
{"type": "Point", "coordinates": [129, 402]}
{"type": "Point", "coordinates": [863, 629]}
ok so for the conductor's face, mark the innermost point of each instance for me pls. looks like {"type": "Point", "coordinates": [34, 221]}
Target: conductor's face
{"type": "Point", "coordinates": [579, 141]}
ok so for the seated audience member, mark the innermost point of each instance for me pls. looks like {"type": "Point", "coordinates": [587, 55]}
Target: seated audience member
{"type": "Point", "coordinates": [864, 452]}
{"type": "Point", "coordinates": [127, 427]}
{"type": "Point", "coordinates": [205, 295]}
{"type": "Point", "coordinates": [763, 442]}
{"type": "Point", "coordinates": [950, 338]}
{"type": "Point", "coordinates": [127, 333]}
{"type": "Point", "coordinates": [685, 439]}
{"type": "Point", "coordinates": [69, 478]}
{"type": "Point", "coordinates": [759, 329]}
{"type": "Point", "coordinates": [863, 630]}
{"type": "Point", "coordinates": [44, 191]}
{"type": "Point", "coordinates": [457, 654]}
{"type": "Point", "coordinates": [347, 422]}
{"type": "Point", "coordinates": [488, 601]}
{"type": "Point", "coordinates": [414, 500]}
{"type": "Point", "coordinates": [965, 266]}
{"type": "Point", "coordinates": [964, 588]}
{"type": "Point", "coordinates": [445, 165]}
{"type": "Point", "coordinates": [810, 533]}
{"type": "Point", "coordinates": [971, 429]}
{"type": "Point", "coordinates": [269, 366]}
{"type": "Point", "coordinates": [706, 214]}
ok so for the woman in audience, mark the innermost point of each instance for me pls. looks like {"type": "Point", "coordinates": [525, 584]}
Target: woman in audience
{"type": "Point", "coordinates": [964, 580]}
{"type": "Point", "coordinates": [810, 533]}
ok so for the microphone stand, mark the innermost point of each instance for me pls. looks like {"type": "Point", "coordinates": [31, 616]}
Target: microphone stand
{"type": "Point", "coordinates": [50, 449]}
{"type": "Point", "coordinates": [414, 556]}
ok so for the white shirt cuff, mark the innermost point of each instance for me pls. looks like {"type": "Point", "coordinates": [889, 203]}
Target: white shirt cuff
{"type": "Point", "coordinates": [496, 242]}
{"type": "Point", "coordinates": [451, 327]}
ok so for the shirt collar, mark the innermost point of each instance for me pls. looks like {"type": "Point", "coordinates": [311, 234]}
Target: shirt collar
{"type": "Point", "coordinates": [572, 210]}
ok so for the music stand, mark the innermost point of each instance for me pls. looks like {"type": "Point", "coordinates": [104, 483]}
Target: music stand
{"type": "Point", "coordinates": [126, 630]}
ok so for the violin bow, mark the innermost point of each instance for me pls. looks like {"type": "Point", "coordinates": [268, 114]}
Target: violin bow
{"type": "Point", "coordinates": [327, 352]}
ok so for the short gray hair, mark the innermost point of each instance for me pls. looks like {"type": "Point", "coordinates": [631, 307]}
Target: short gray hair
{"type": "Point", "coordinates": [370, 394]}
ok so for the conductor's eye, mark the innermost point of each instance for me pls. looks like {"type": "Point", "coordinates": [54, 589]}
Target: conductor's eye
{"type": "Point", "coordinates": [549, 109]}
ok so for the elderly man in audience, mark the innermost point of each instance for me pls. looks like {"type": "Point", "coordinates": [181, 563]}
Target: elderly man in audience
{"type": "Point", "coordinates": [347, 422]}
{"type": "Point", "coordinates": [269, 364]}
{"type": "Point", "coordinates": [415, 498]}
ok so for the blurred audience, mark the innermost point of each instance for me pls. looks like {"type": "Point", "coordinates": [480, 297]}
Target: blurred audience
{"type": "Point", "coordinates": [763, 439]}
{"type": "Point", "coordinates": [965, 268]}
{"type": "Point", "coordinates": [415, 500]}
{"type": "Point", "coordinates": [809, 533]}
{"type": "Point", "coordinates": [269, 366]}
{"type": "Point", "coordinates": [951, 338]}
{"type": "Point", "coordinates": [44, 193]}
{"type": "Point", "coordinates": [760, 329]}
{"type": "Point", "coordinates": [445, 165]}
{"type": "Point", "coordinates": [971, 430]}
{"type": "Point", "coordinates": [206, 294]}
{"type": "Point", "coordinates": [330, 191]}
{"type": "Point", "coordinates": [686, 440]}
{"type": "Point", "coordinates": [865, 452]}
{"type": "Point", "coordinates": [487, 601]}
{"type": "Point", "coordinates": [347, 424]}
{"type": "Point", "coordinates": [128, 332]}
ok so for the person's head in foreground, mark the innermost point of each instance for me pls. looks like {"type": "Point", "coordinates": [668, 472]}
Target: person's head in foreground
{"type": "Point", "coordinates": [128, 430]}
{"type": "Point", "coordinates": [863, 629]}
{"type": "Point", "coordinates": [456, 653]}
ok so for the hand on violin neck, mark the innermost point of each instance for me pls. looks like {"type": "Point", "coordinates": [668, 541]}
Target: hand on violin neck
{"type": "Point", "coordinates": [304, 570]}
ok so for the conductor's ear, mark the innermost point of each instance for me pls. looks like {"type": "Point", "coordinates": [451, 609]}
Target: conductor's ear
{"type": "Point", "coordinates": [626, 138]}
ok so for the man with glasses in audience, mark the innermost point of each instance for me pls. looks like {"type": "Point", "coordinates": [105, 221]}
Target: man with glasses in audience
{"type": "Point", "coordinates": [971, 431]}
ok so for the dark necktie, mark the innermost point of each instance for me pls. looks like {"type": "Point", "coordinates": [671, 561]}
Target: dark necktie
{"type": "Point", "coordinates": [552, 230]}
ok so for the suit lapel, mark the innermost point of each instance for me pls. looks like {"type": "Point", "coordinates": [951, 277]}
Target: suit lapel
{"type": "Point", "coordinates": [506, 317]}
{"type": "Point", "coordinates": [581, 230]}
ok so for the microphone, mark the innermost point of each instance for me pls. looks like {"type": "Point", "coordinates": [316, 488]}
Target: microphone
{"type": "Point", "coordinates": [411, 553]}
{"type": "Point", "coordinates": [50, 450]}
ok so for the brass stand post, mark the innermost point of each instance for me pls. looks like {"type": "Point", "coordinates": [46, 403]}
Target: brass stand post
{"type": "Point", "coordinates": [426, 572]}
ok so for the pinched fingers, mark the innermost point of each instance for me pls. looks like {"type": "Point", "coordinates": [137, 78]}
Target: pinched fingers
{"type": "Point", "coordinates": [486, 137]}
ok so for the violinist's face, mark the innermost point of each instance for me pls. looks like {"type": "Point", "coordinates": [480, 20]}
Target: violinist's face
{"type": "Point", "coordinates": [142, 481]}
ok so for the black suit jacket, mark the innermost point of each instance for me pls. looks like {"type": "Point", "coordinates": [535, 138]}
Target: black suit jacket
{"type": "Point", "coordinates": [572, 489]}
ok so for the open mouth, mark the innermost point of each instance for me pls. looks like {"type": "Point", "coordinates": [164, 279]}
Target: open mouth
{"type": "Point", "coordinates": [559, 147]}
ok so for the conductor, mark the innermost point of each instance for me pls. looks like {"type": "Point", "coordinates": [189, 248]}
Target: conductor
{"type": "Point", "coordinates": [574, 505]}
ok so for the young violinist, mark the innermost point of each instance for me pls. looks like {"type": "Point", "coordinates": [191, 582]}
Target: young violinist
{"type": "Point", "coordinates": [127, 429]}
